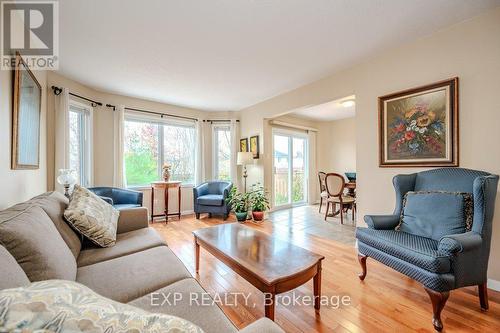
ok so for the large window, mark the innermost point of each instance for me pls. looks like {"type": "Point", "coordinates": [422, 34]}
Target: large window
{"type": "Point", "coordinates": [80, 159]}
{"type": "Point", "coordinates": [150, 144]}
{"type": "Point", "coordinates": [222, 152]}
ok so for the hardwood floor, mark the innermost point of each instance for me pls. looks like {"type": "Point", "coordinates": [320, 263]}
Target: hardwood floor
{"type": "Point", "coordinates": [386, 301]}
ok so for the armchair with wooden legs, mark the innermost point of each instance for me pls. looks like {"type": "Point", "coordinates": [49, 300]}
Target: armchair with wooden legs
{"type": "Point", "coordinates": [335, 184]}
{"type": "Point", "coordinates": [444, 259]}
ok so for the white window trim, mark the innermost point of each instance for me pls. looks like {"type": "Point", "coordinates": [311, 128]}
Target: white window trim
{"type": "Point", "coordinates": [134, 116]}
{"type": "Point", "coordinates": [87, 140]}
{"type": "Point", "coordinates": [291, 134]}
{"type": "Point", "coordinates": [215, 150]}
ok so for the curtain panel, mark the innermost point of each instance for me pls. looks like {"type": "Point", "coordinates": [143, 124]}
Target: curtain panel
{"type": "Point", "coordinates": [119, 179]}
{"type": "Point", "coordinates": [61, 161]}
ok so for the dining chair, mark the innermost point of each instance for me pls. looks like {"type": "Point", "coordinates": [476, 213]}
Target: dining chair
{"type": "Point", "coordinates": [335, 185]}
{"type": "Point", "coordinates": [323, 194]}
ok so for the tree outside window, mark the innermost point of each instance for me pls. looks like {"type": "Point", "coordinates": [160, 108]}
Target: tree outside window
{"type": "Point", "coordinates": [143, 143]}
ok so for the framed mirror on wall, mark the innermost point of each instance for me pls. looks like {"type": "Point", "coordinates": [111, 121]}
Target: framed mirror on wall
{"type": "Point", "coordinates": [25, 118]}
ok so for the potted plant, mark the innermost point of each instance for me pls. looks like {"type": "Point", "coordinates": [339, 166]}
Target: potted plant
{"type": "Point", "coordinates": [259, 202]}
{"type": "Point", "coordinates": [239, 204]}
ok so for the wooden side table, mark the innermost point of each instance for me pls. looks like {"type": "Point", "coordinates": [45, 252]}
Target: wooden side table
{"type": "Point", "coordinates": [161, 185]}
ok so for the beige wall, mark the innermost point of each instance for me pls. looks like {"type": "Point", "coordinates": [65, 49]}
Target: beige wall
{"type": "Point", "coordinates": [103, 134]}
{"type": "Point", "coordinates": [19, 185]}
{"type": "Point", "coordinates": [469, 50]}
{"type": "Point", "coordinates": [337, 146]}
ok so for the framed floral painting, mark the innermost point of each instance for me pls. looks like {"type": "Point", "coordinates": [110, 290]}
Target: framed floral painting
{"type": "Point", "coordinates": [419, 127]}
{"type": "Point", "coordinates": [244, 145]}
{"type": "Point", "coordinates": [254, 146]}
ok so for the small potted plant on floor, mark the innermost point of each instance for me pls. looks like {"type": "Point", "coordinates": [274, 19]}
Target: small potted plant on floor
{"type": "Point", "coordinates": [239, 204]}
{"type": "Point", "coordinates": [259, 202]}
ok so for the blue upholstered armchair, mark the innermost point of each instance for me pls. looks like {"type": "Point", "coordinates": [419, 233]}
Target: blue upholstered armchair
{"type": "Point", "coordinates": [119, 198]}
{"type": "Point", "coordinates": [210, 197]}
{"type": "Point", "coordinates": [434, 253]}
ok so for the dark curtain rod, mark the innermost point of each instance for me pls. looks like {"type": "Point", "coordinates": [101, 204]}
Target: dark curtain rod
{"type": "Point", "coordinates": [153, 112]}
{"type": "Point", "coordinates": [58, 91]}
{"type": "Point", "coordinates": [219, 120]}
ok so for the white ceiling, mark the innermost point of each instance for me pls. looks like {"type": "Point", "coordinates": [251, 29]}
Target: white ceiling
{"type": "Point", "coordinates": [225, 54]}
{"type": "Point", "coordinates": [329, 111]}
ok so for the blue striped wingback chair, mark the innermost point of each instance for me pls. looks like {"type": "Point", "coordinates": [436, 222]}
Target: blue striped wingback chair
{"type": "Point", "coordinates": [444, 263]}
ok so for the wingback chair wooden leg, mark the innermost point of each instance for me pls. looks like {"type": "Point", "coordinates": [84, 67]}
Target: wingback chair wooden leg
{"type": "Point", "coordinates": [483, 296]}
{"type": "Point", "coordinates": [438, 300]}
{"type": "Point", "coordinates": [362, 261]}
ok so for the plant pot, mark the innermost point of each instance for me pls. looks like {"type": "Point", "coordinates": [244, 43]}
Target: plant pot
{"type": "Point", "coordinates": [241, 216]}
{"type": "Point", "coordinates": [258, 216]}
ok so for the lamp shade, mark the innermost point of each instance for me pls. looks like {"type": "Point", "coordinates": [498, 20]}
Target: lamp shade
{"type": "Point", "coordinates": [244, 158]}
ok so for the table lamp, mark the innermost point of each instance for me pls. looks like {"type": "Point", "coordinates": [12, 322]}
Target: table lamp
{"type": "Point", "coordinates": [244, 158]}
{"type": "Point", "coordinates": [66, 178]}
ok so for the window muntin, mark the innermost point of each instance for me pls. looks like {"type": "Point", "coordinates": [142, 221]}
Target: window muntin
{"type": "Point", "coordinates": [149, 144]}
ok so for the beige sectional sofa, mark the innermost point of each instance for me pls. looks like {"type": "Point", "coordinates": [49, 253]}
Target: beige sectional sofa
{"type": "Point", "coordinates": [37, 244]}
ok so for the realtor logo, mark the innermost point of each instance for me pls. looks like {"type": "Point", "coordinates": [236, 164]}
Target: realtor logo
{"type": "Point", "coordinates": [32, 29]}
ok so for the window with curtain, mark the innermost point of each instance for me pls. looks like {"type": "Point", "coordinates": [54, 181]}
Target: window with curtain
{"type": "Point", "coordinates": [150, 144]}
{"type": "Point", "coordinates": [80, 142]}
{"type": "Point", "coordinates": [222, 152]}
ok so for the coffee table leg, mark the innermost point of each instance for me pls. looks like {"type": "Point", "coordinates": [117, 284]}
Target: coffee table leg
{"type": "Point", "coordinates": [196, 255]}
{"type": "Point", "coordinates": [317, 287]}
{"type": "Point", "coordinates": [269, 305]}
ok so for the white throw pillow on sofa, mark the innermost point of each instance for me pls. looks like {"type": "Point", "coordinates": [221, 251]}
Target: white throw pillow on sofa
{"type": "Point", "coordinates": [67, 306]}
{"type": "Point", "coordinates": [93, 217]}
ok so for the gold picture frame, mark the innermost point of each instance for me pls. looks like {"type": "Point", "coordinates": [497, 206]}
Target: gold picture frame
{"type": "Point", "coordinates": [244, 145]}
{"type": "Point", "coordinates": [254, 146]}
{"type": "Point", "coordinates": [419, 127]}
{"type": "Point", "coordinates": [26, 113]}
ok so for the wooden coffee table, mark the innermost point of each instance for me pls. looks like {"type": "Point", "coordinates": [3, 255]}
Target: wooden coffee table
{"type": "Point", "coordinates": [271, 265]}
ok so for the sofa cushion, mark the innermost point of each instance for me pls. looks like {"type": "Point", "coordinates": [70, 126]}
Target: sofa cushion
{"type": "Point", "coordinates": [126, 243]}
{"type": "Point", "coordinates": [189, 304]}
{"type": "Point", "coordinates": [436, 214]}
{"type": "Point", "coordinates": [211, 200]}
{"type": "Point", "coordinates": [64, 306]}
{"type": "Point", "coordinates": [125, 206]}
{"type": "Point", "coordinates": [11, 274]}
{"type": "Point", "coordinates": [54, 204]}
{"type": "Point", "coordinates": [135, 275]}
{"type": "Point", "coordinates": [30, 236]}
{"type": "Point", "coordinates": [92, 217]}
{"type": "Point", "coordinates": [419, 251]}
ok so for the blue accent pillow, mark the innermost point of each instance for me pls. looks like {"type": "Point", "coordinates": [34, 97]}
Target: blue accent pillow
{"type": "Point", "coordinates": [436, 214]}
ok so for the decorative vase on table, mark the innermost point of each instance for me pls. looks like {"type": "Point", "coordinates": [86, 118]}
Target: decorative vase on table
{"type": "Point", "coordinates": [166, 172]}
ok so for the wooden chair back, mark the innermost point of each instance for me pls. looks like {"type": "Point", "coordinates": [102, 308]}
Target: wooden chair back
{"type": "Point", "coordinates": [322, 181]}
{"type": "Point", "coordinates": [334, 184]}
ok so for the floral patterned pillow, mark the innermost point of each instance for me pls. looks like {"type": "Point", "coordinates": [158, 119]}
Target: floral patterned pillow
{"type": "Point", "coordinates": [67, 306]}
{"type": "Point", "coordinates": [93, 217]}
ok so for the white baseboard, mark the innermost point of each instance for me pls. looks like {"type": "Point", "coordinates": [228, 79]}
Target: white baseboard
{"type": "Point", "coordinates": [494, 284]}
{"type": "Point", "coordinates": [187, 212]}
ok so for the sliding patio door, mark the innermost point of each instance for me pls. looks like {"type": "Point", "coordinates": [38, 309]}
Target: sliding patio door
{"type": "Point", "coordinates": [290, 160]}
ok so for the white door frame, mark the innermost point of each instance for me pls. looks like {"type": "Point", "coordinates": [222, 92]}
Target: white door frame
{"type": "Point", "coordinates": [291, 134]}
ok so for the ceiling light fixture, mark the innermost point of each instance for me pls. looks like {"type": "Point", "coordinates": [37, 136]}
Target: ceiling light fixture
{"type": "Point", "coordinates": [348, 103]}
